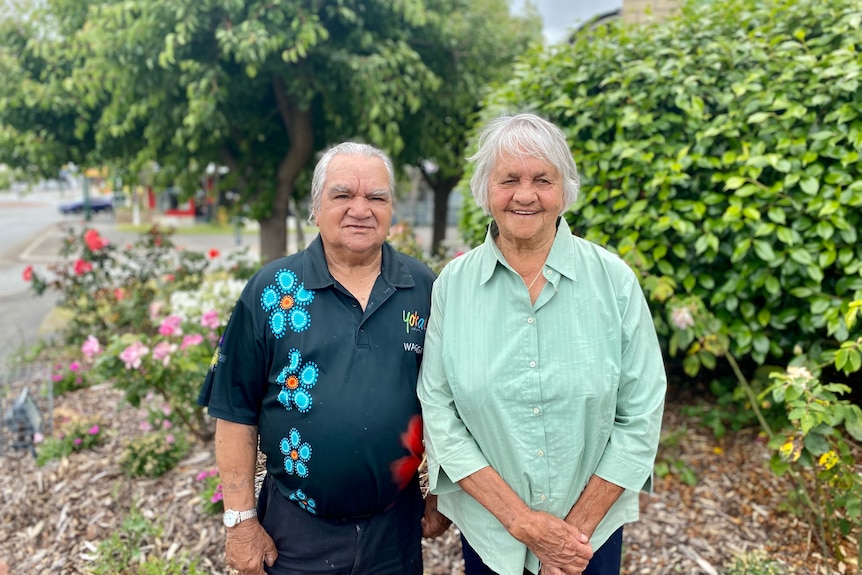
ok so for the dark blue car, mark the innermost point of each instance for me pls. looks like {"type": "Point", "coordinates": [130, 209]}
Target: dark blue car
{"type": "Point", "coordinates": [97, 204]}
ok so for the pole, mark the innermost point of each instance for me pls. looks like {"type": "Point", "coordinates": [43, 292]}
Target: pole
{"type": "Point", "coordinates": [87, 215]}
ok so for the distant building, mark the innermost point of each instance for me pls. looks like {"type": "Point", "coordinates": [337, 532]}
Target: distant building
{"type": "Point", "coordinates": [635, 11]}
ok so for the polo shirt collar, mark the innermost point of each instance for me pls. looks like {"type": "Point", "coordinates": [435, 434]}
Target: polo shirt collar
{"type": "Point", "coordinates": [561, 258]}
{"type": "Point", "coordinates": [315, 272]}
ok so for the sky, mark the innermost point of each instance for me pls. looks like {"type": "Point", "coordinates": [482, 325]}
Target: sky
{"type": "Point", "coordinates": [560, 16]}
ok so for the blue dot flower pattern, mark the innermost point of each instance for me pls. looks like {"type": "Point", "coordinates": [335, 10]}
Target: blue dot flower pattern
{"type": "Point", "coordinates": [304, 501]}
{"type": "Point", "coordinates": [296, 452]}
{"type": "Point", "coordinates": [297, 380]}
{"type": "Point", "coordinates": [286, 301]}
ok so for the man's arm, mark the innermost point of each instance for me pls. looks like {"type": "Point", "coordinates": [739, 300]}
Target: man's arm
{"type": "Point", "coordinates": [247, 546]}
{"type": "Point", "coordinates": [554, 542]}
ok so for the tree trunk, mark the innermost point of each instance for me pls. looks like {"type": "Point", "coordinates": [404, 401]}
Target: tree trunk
{"type": "Point", "coordinates": [442, 188]}
{"type": "Point", "coordinates": [273, 236]}
{"type": "Point", "coordinates": [297, 123]}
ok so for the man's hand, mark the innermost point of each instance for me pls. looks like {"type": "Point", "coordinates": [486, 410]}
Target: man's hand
{"type": "Point", "coordinates": [434, 523]}
{"type": "Point", "coordinates": [248, 547]}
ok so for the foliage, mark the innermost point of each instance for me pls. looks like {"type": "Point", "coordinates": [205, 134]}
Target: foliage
{"type": "Point", "coordinates": [668, 464]}
{"type": "Point", "coordinates": [756, 563]}
{"type": "Point", "coordinates": [107, 288]}
{"type": "Point", "coordinates": [719, 157]}
{"type": "Point", "coordinates": [403, 239]}
{"type": "Point", "coordinates": [815, 440]}
{"type": "Point", "coordinates": [211, 492]}
{"type": "Point", "coordinates": [170, 364]}
{"type": "Point", "coordinates": [66, 377]}
{"type": "Point", "coordinates": [71, 435]}
{"type": "Point", "coordinates": [154, 453]}
{"type": "Point", "coordinates": [124, 552]}
{"type": "Point", "coordinates": [256, 85]}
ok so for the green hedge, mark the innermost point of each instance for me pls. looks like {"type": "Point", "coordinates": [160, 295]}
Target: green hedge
{"type": "Point", "coordinates": [719, 155]}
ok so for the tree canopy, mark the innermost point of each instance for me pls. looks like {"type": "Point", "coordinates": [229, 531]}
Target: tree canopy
{"type": "Point", "coordinates": [259, 86]}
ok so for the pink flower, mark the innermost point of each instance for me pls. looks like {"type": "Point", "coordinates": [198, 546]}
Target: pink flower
{"type": "Point", "coordinates": [91, 347]}
{"type": "Point", "coordinates": [162, 352]}
{"type": "Point", "coordinates": [191, 339]}
{"type": "Point", "coordinates": [170, 439]}
{"type": "Point", "coordinates": [171, 325]}
{"type": "Point", "coordinates": [133, 355]}
{"type": "Point", "coordinates": [74, 366]}
{"type": "Point", "coordinates": [218, 495]}
{"type": "Point", "coordinates": [166, 424]}
{"type": "Point", "coordinates": [77, 441]}
{"type": "Point", "coordinates": [93, 430]}
{"type": "Point", "coordinates": [82, 267]}
{"type": "Point", "coordinates": [28, 273]}
{"type": "Point", "coordinates": [681, 318]}
{"type": "Point", "coordinates": [38, 438]}
{"type": "Point", "coordinates": [55, 377]}
{"type": "Point", "coordinates": [119, 294]}
{"type": "Point", "coordinates": [210, 319]}
{"type": "Point", "coordinates": [94, 241]}
{"type": "Point", "coordinates": [145, 426]}
{"type": "Point", "coordinates": [201, 476]}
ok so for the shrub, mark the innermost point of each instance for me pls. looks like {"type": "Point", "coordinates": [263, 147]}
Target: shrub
{"type": "Point", "coordinates": [154, 453]}
{"type": "Point", "coordinates": [755, 563]}
{"type": "Point", "coordinates": [125, 552]}
{"type": "Point", "coordinates": [76, 434]}
{"type": "Point", "coordinates": [211, 491]}
{"type": "Point", "coordinates": [719, 154]}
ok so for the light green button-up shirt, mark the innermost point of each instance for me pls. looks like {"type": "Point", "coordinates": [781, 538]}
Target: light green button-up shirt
{"type": "Point", "coordinates": [548, 394]}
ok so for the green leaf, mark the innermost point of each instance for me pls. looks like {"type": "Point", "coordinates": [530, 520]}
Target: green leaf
{"type": "Point", "coordinates": [764, 251]}
{"type": "Point", "coordinates": [810, 186]}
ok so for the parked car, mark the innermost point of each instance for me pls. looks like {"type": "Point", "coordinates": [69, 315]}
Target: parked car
{"type": "Point", "coordinates": [97, 204]}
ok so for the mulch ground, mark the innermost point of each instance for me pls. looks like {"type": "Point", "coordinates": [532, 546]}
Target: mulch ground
{"type": "Point", "coordinates": [55, 516]}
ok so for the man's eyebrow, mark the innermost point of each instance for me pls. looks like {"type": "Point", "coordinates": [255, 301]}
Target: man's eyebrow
{"type": "Point", "coordinates": [338, 189]}
{"type": "Point", "coordinates": [379, 192]}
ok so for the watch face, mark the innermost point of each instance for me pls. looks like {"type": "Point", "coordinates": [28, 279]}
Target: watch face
{"type": "Point", "coordinates": [230, 518]}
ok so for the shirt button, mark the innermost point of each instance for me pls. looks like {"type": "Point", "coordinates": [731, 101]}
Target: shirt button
{"type": "Point", "coordinates": [540, 453]}
{"type": "Point", "coordinates": [532, 364]}
{"type": "Point", "coordinates": [529, 320]}
{"type": "Point", "coordinates": [542, 497]}
{"type": "Point", "coordinates": [535, 410]}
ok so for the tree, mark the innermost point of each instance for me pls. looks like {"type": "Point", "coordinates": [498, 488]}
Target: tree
{"type": "Point", "coordinates": [477, 43]}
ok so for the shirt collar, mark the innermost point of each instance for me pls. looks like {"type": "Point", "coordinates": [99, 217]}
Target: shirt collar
{"type": "Point", "coordinates": [561, 257]}
{"type": "Point", "coordinates": [315, 273]}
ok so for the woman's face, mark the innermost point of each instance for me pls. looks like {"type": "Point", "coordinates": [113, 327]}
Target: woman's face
{"type": "Point", "coordinates": [525, 195]}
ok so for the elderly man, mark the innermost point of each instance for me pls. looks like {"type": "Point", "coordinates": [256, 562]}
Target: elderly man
{"type": "Point", "coordinates": [318, 366]}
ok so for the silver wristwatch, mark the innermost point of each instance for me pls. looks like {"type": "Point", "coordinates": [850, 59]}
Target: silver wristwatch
{"type": "Point", "coordinates": [233, 517]}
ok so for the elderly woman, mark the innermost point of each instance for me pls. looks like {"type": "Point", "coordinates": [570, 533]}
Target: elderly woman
{"type": "Point", "coordinates": [542, 383]}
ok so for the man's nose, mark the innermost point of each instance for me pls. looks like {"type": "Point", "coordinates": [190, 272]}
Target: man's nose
{"type": "Point", "coordinates": [359, 207]}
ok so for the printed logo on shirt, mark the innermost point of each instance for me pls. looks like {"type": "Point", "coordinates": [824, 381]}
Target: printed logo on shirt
{"type": "Point", "coordinates": [414, 347]}
{"type": "Point", "coordinates": [413, 321]}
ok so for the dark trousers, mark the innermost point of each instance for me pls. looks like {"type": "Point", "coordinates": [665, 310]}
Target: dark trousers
{"type": "Point", "coordinates": [388, 543]}
{"type": "Point", "coordinates": [606, 560]}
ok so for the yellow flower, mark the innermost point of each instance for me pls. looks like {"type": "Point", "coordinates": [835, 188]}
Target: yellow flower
{"type": "Point", "coordinates": [828, 460]}
{"type": "Point", "coordinates": [718, 450]}
{"type": "Point", "coordinates": [791, 450]}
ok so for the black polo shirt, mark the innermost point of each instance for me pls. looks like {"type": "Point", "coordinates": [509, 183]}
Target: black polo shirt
{"type": "Point", "coordinates": [332, 388]}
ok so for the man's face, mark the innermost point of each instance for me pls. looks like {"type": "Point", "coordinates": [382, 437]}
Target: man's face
{"type": "Point", "coordinates": [356, 205]}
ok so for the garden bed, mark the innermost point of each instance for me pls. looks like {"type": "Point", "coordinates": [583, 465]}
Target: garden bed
{"type": "Point", "coordinates": [55, 516]}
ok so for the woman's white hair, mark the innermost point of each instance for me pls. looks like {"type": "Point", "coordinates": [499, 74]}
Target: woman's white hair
{"type": "Point", "coordinates": [522, 135]}
{"type": "Point", "coordinates": [344, 149]}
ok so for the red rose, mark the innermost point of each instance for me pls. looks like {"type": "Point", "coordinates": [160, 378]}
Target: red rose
{"type": "Point", "coordinates": [82, 267]}
{"type": "Point", "coordinates": [214, 253]}
{"type": "Point", "coordinates": [28, 273]}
